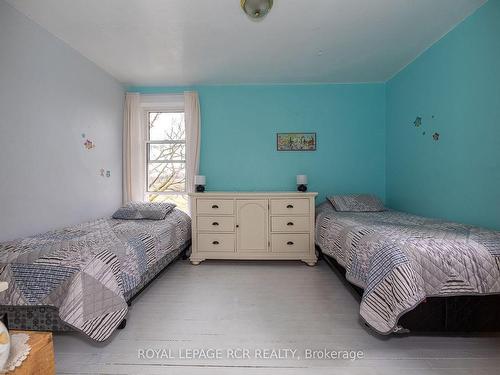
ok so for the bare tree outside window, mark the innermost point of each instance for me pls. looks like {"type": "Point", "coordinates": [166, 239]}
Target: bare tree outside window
{"type": "Point", "coordinates": [166, 158]}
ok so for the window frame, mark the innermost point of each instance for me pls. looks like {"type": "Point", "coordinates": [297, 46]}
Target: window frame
{"type": "Point", "coordinates": [160, 109]}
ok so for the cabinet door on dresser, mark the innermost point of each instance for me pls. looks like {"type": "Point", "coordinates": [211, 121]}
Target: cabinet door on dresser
{"type": "Point", "coordinates": [252, 225]}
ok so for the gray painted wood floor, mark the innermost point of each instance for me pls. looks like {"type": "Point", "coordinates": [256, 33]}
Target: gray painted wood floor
{"type": "Point", "coordinates": [263, 305]}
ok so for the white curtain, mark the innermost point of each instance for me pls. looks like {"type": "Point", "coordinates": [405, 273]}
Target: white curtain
{"type": "Point", "coordinates": [192, 120]}
{"type": "Point", "coordinates": [134, 174]}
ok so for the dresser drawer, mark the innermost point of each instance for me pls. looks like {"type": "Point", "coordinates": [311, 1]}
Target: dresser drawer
{"type": "Point", "coordinates": [215, 207]}
{"type": "Point", "coordinates": [215, 223]}
{"type": "Point", "coordinates": [290, 224]}
{"type": "Point", "coordinates": [290, 243]}
{"type": "Point", "coordinates": [293, 206]}
{"type": "Point", "coordinates": [215, 242]}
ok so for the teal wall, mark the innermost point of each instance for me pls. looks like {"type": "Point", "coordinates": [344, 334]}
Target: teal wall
{"type": "Point", "coordinates": [366, 138]}
{"type": "Point", "coordinates": [239, 126]}
{"type": "Point", "coordinates": [457, 80]}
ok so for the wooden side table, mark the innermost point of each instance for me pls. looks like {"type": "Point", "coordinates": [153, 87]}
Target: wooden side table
{"type": "Point", "coordinates": [41, 357]}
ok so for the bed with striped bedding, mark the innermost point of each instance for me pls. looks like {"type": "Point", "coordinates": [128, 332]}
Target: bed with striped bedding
{"type": "Point", "coordinates": [87, 272]}
{"type": "Point", "coordinates": [399, 259]}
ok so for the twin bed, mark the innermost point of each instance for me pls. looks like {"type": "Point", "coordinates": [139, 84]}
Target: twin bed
{"type": "Point", "coordinates": [398, 261]}
{"type": "Point", "coordinates": [83, 277]}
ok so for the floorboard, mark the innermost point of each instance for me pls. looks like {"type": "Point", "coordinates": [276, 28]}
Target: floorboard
{"type": "Point", "coordinates": [263, 305]}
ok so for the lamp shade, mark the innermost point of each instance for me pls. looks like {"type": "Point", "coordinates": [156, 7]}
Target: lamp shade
{"type": "Point", "coordinates": [200, 180]}
{"type": "Point", "coordinates": [301, 179]}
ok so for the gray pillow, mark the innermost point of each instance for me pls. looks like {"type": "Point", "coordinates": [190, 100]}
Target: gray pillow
{"type": "Point", "coordinates": [356, 203]}
{"type": "Point", "coordinates": [143, 211]}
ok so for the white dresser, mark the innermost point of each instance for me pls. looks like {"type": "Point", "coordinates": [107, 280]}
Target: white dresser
{"type": "Point", "coordinates": [256, 225]}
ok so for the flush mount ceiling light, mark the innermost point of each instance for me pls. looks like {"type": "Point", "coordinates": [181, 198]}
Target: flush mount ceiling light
{"type": "Point", "coordinates": [256, 9]}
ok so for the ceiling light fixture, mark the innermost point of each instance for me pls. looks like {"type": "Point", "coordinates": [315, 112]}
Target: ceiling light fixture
{"type": "Point", "coordinates": [256, 9]}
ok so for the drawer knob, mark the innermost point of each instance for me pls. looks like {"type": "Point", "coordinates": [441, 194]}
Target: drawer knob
{"type": "Point", "coordinates": [215, 206]}
{"type": "Point", "coordinates": [215, 242]}
{"type": "Point", "coordinates": [215, 223]}
{"type": "Point", "coordinates": [289, 243]}
{"type": "Point", "coordinates": [289, 206]}
{"type": "Point", "coordinates": [289, 223]}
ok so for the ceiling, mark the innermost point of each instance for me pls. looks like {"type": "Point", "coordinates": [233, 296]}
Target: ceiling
{"type": "Point", "coordinates": [185, 42]}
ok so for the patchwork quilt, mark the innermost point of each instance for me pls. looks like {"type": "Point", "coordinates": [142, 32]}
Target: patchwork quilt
{"type": "Point", "coordinates": [85, 270]}
{"type": "Point", "coordinates": [400, 259]}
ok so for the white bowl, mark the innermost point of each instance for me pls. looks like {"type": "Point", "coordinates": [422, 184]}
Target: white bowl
{"type": "Point", "coordinates": [4, 345]}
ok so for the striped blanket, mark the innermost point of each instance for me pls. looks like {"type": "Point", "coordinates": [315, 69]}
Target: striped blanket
{"type": "Point", "coordinates": [86, 270]}
{"type": "Point", "coordinates": [400, 259]}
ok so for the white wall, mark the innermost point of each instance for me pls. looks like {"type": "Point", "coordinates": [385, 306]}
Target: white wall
{"type": "Point", "coordinates": [49, 96]}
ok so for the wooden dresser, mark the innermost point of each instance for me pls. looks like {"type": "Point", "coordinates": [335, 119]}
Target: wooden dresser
{"type": "Point", "coordinates": [256, 225]}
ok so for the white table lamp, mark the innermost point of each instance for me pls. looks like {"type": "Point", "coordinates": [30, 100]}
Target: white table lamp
{"type": "Point", "coordinates": [200, 182]}
{"type": "Point", "coordinates": [302, 182]}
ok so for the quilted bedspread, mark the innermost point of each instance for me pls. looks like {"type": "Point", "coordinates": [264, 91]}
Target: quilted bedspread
{"type": "Point", "coordinates": [400, 259]}
{"type": "Point", "coordinates": [85, 270]}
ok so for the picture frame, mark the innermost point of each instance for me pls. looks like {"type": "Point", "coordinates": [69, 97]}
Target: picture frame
{"type": "Point", "coordinates": [296, 141]}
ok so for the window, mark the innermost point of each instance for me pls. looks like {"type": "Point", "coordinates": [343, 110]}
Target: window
{"type": "Point", "coordinates": [166, 157]}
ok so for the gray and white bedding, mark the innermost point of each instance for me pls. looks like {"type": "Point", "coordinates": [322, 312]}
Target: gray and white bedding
{"type": "Point", "coordinates": [400, 259]}
{"type": "Point", "coordinates": [87, 270]}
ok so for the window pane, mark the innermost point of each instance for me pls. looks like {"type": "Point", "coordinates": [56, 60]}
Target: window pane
{"type": "Point", "coordinates": [166, 177]}
{"type": "Point", "coordinates": [180, 200]}
{"type": "Point", "coordinates": [166, 126]}
{"type": "Point", "coordinates": [176, 151]}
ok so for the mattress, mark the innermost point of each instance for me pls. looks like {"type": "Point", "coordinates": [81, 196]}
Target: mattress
{"type": "Point", "coordinates": [401, 259]}
{"type": "Point", "coordinates": [88, 271]}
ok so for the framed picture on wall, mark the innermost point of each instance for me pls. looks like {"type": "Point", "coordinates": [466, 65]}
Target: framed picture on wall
{"type": "Point", "coordinates": [296, 141]}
